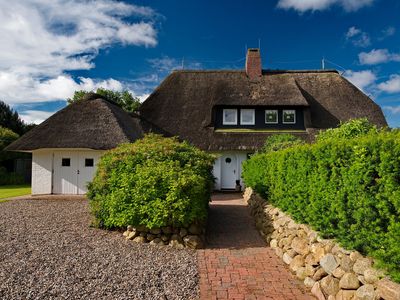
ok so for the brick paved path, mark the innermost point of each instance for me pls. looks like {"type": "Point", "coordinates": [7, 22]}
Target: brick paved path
{"type": "Point", "coordinates": [237, 264]}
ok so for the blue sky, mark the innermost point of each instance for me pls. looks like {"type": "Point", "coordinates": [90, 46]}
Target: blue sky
{"type": "Point", "coordinates": [53, 47]}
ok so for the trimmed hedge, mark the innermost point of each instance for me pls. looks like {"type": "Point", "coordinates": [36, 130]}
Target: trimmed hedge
{"type": "Point", "coordinates": [348, 189]}
{"type": "Point", "coordinates": [154, 182]}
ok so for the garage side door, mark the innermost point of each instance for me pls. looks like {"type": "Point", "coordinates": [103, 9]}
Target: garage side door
{"type": "Point", "coordinates": [86, 169]}
{"type": "Point", "coordinates": [65, 166]}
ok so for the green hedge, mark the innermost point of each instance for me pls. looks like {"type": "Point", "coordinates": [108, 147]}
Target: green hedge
{"type": "Point", "coordinates": [348, 189]}
{"type": "Point", "coordinates": [154, 182]}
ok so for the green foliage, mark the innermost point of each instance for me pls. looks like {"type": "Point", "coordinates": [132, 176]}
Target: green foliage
{"type": "Point", "coordinates": [348, 189]}
{"type": "Point", "coordinates": [348, 130]}
{"type": "Point", "coordinates": [6, 137]}
{"type": "Point", "coordinates": [11, 120]}
{"type": "Point", "coordinates": [280, 141]}
{"type": "Point", "coordinates": [154, 182]}
{"type": "Point", "coordinates": [125, 99]}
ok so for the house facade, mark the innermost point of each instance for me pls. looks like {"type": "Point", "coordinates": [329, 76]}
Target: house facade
{"type": "Point", "coordinates": [227, 112]}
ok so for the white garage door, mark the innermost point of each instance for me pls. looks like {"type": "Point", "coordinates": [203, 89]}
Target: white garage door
{"type": "Point", "coordinates": [73, 170]}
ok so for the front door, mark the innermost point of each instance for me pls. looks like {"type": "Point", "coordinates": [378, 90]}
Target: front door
{"type": "Point", "coordinates": [86, 171]}
{"type": "Point", "coordinates": [65, 172]}
{"type": "Point", "coordinates": [228, 171]}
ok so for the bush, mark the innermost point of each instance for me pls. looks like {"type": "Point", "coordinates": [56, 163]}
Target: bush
{"type": "Point", "coordinates": [154, 182]}
{"type": "Point", "coordinates": [280, 141]}
{"type": "Point", "coordinates": [348, 189]}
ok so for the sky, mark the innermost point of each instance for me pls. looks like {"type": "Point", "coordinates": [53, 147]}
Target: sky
{"type": "Point", "coordinates": [50, 48]}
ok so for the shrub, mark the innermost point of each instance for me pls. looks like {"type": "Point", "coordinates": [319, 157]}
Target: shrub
{"type": "Point", "coordinates": [280, 141]}
{"type": "Point", "coordinates": [348, 189]}
{"type": "Point", "coordinates": [154, 182]}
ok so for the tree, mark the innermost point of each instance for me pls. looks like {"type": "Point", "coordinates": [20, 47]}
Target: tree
{"type": "Point", "coordinates": [124, 99]}
{"type": "Point", "coordinates": [11, 120]}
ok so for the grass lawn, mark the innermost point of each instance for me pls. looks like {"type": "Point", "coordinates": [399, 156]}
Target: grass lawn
{"type": "Point", "coordinates": [7, 191]}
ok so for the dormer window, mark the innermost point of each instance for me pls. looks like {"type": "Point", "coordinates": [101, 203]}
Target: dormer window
{"type": "Point", "coordinates": [229, 116]}
{"type": "Point", "coordinates": [289, 116]}
{"type": "Point", "coordinates": [247, 117]}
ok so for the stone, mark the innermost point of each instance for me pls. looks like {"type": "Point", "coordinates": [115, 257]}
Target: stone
{"type": "Point", "coordinates": [309, 282]}
{"type": "Point", "coordinates": [291, 253]}
{"type": "Point", "coordinates": [328, 246]}
{"type": "Point", "coordinates": [156, 241]}
{"type": "Point", "coordinates": [361, 278]}
{"type": "Point", "coordinates": [183, 232]}
{"type": "Point", "coordinates": [166, 229]}
{"type": "Point", "coordinates": [330, 297]}
{"type": "Point", "coordinates": [195, 229]}
{"type": "Point", "coordinates": [371, 275]}
{"type": "Point", "coordinates": [126, 233]}
{"type": "Point", "coordinates": [273, 243]}
{"type": "Point", "coordinates": [143, 234]}
{"type": "Point", "coordinates": [304, 272]}
{"type": "Point", "coordinates": [318, 251]}
{"type": "Point", "coordinates": [287, 259]}
{"type": "Point", "coordinates": [139, 239]}
{"type": "Point", "coordinates": [330, 285]}
{"type": "Point", "coordinates": [346, 263]}
{"type": "Point", "coordinates": [150, 237]}
{"type": "Point", "coordinates": [311, 260]}
{"type": "Point", "coordinates": [349, 281]}
{"type": "Point", "coordinates": [319, 273]}
{"type": "Point", "coordinates": [155, 231]}
{"type": "Point", "coordinates": [312, 236]}
{"type": "Point", "coordinates": [317, 292]}
{"type": "Point", "coordinates": [131, 235]}
{"type": "Point", "coordinates": [338, 272]}
{"type": "Point", "coordinates": [176, 244]}
{"type": "Point", "coordinates": [345, 295]}
{"type": "Point", "coordinates": [388, 290]}
{"type": "Point", "coordinates": [361, 265]}
{"type": "Point", "coordinates": [279, 252]}
{"type": "Point", "coordinates": [164, 237]}
{"type": "Point", "coordinates": [366, 292]}
{"type": "Point", "coordinates": [285, 242]}
{"type": "Point", "coordinates": [296, 263]}
{"type": "Point", "coordinates": [129, 228]}
{"type": "Point", "coordinates": [329, 263]}
{"type": "Point", "coordinates": [142, 228]}
{"type": "Point", "coordinates": [354, 255]}
{"type": "Point", "coordinates": [193, 242]}
{"type": "Point", "coordinates": [300, 246]}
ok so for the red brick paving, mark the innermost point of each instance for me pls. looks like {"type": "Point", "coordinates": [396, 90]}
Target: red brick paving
{"type": "Point", "coordinates": [237, 263]}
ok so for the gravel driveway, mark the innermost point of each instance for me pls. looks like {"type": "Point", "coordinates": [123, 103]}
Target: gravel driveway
{"type": "Point", "coordinates": [48, 251]}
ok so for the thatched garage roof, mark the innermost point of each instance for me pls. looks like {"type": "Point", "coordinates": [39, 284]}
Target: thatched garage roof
{"type": "Point", "coordinates": [183, 103]}
{"type": "Point", "coordinates": [93, 123]}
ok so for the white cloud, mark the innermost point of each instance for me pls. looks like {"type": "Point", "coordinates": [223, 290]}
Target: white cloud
{"type": "Point", "coordinates": [167, 64]}
{"type": "Point", "coordinates": [43, 39]}
{"type": "Point", "coordinates": [387, 32]}
{"type": "Point", "coordinates": [318, 5]}
{"type": "Point", "coordinates": [358, 37]}
{"type": "Point", "coordinates": [395, 110]}
{"type": "Point", "coordinates": [35, 116]}
{"type": "Point", "coordinates": [392, 85]}
{"type": "Point", "coordinates": [361, 79]}
{"type": "Point", "coordinates": [377, 56]}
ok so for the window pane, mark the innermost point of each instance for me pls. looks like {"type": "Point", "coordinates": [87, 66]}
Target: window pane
{"type": "Point", "coordinates": [66, 162]}
{"type": "Point", "coordinates": [247, 116]}
{"type": "Point", "coordinates": [89, 162]}
{"type": "Point", "coordinates": [289, 116]}
{"type": "Point", "coordinates": [271, 116]}
{"type": "Point", "coordinates": [230, 116]}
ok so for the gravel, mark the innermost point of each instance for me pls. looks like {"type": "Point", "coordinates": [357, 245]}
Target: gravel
{"type": "Point", "coordinates": [48, 251]}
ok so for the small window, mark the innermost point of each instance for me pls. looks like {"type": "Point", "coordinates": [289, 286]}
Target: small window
{"type": "Point", "coordinates": [89, 162]}
{"type": "Point", "coordinates": [66, 162]}
{"type": "Point", "coordinates": [229, 116]}
{"type": "Point", "coordinates": [271, 117]}
{"type": "Point", "coordinates": [247, 117]}
{"type": "Point", "coordinates": [289, 116]}
{"type": "Point", "coordinates": [228, 160]}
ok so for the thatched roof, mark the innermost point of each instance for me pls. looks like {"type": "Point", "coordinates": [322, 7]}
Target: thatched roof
{"type": "Point", "coordinates": [182, 105]}
{"type": "Point", "coordinates": [93, 123]}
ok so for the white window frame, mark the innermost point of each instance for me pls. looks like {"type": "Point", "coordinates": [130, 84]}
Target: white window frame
{"type": "Point", "coordinates": [277, 116]}
{"type": "Point", "coordinates": [225, 122]}
{"type": "Point", "coordinates": [254, 116]}
{"type": "Point", "coordinates": [283, 116]}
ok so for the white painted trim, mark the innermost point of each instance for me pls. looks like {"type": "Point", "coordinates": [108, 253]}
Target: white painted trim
{"type": "Point", "coordinates": [283, 117]}
{"type": "Point", "coordinates": [246, 110]}
{"type": "Point", "coordinates": [224, 122]}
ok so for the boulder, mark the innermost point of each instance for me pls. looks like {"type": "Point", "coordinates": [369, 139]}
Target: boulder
{"type": "Point", "coordinates": [311, 260]}
{"type": "Point", "coordinates": [131, 235]}
{"type": "Point", "coordinates": [156, 241]}
{"type": "Point", "coordinates": [273, 243]}
{"type": "Point", "coordinates": [164, 237]}
{"type": "Point", "coordinates": [361, 265]}
{"type": "Point", "coordinates": [126, 233]}
{"type": "Point", "coordinates": [319, 273]}
{"type": "Point", "coordinates": [195, 229]}
{"type": "Point", "coordinates": [309, 282]}
{"type": "Point", "coordinates": [279, 252]}
{"type": "Point", "coordinates": [150, 237]}
{"type": "Point", "coordinates": [193, 242]}
{"type": "Point", "coordinates": [388, 290]}
{"type": "Point", "coordinates": [129, 228]}
{"type": "Point", "coordinates": [366, 292]}
{"type": "Point", "coordinates": [338, 272]}
{"type": "Point", "coordinates": [330, 285]}
{"type": "Point", "coordinates": [300, 246]}
{"type": "Point", "coordinates": [155, 231]}
{"type": "Point", "coordinates": [371, 275]}
{"type": "Point", "coordinates": [139, 239]}
{"type": "Point", "coordinates": [296, 263]}
{"type": "Point", "coordinates": [317, 292]}
{"type": "Point", "coordinates": [346, 263]}
{"type": "Point", "coordinates": [183, 232]}
{"type": "Point", "coordinates": [166, 229]}
{"type": "Point", "coordinates": [287, 259]}
{"type": "Point", "coordinates": [142, 228]}
{"type": "Point", "coordinates": [176, 244]}
{"type": "Point", "coordinates": [345, 295]}
{"type": "Point", "coordinates": [349, 281]}
{"type": "Point", "coordinates": [329, 263]}
{"type": "Point", "coordinates": [304, 272]}
{"type": "Point", "coordinates": [291, 253]}
{"type": "Point", "coordinates": [354, 255]}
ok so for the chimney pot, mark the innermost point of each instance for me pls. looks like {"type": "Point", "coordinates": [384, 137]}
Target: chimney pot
{"type": "Point", "coordinates": [253, 64]}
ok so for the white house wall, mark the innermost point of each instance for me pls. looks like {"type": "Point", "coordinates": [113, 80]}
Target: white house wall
{"type": "Point", "coordinates": [41, 172]}
{"type": "Point", "coordinates": [217, 171]}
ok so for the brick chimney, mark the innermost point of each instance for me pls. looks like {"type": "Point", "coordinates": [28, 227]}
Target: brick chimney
{"type": "Point", "coordinates": [253, 64]}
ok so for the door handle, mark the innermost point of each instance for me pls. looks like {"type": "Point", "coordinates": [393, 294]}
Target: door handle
{"type": "Point", "coordinates": [234, 171]}
{"type": "Point", "coordinates": [78, 172]}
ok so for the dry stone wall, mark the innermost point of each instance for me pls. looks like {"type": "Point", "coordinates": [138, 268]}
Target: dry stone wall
{"type": "Point", "coordinates": [192, 236]}
{"type": "Point", "coordinates": [331, 272]}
